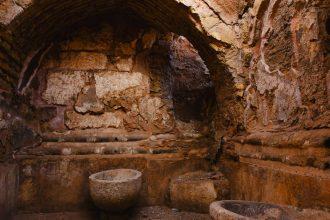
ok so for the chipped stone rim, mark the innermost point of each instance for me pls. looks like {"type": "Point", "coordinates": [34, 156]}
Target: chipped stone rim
{"type": "Point", "coordinates": [218, 207]}
{"type": "Point", "coordinates": [136, 175]}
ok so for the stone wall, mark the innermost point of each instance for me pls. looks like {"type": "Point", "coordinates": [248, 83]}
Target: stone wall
{"type": "Point", "coordinates": [57, 183]}
{"type": "Point", "coordinates": [274, 182]}
{"type": "Point", "coordinates": [286, 60]}
{"type": "Point", "coordinates": [268, 58]}
{"type": "Point", "coordinates": [10, 62]}
{"type": "Point", "coordinates": [124, 76]}
{"type": "Point", "coordinates": [8, 193]}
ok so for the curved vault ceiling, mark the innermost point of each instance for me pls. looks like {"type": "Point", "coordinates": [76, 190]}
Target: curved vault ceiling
{"type": "Point", "coordinates": [45, 19]}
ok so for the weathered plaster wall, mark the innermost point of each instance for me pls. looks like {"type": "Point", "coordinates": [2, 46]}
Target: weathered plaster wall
{"type": "Point", "coordinates": [286, 56]}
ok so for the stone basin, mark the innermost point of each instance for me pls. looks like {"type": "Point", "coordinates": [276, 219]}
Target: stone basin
{"type": "Point", "coordinates": [248, 210]}
{"type": "Point", "coordinates": [115, 190]}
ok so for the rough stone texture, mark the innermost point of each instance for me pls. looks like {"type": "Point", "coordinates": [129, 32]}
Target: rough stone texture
{"type": "Point", "coordinates": [203, 18]}
{"type": "Point", "coordinates": [191, 83]}
{"type": "Point", "coordinates": [154, 111]}
{"type": "Point", "coordinates": [87, 101]}
{"type": "Point", "coordinates": [57, 183]}
{"type": "Point", "coordinates": [18, 127]}
{"type": "Point", "coordinates": [189, 70]}
{"type": "Point", "coordinates": [268, 60]}
{"type": "Point", "coordinates": [264, 47]}
{"type": "Point", "coordinates": [3, 122]}
{"type": "Point", "coordinates": [10, 62]}
{"type": "Point", "coordinates": [115, 87]}
{"type": "Point", "coordinates": [89, 39]}
{"type": "Point", "coordinates": [148, 39]}
{"type": "Point", "coordinates": [274, 182]}
{"type": "Point", "coordinates": [300, 148]}
{"type": "Point", "coordinates": [197, 190]}
{"type": "Point", "coordinates": [235, 209]}
{"type": "Point", "coordinates": [8, 10]}
{"type": "Point", "coordinates": [106, 120]}
{"type": "Point", "coordinates": [83, 61]}
{"type": "Point", "coordinates": [64, 87]}
{"type": "Point", "coordinates": [8, 193]}
{"type": "Point", "coordinates": [150, 78]}
{"type": "Point", "coordinates": [162, 212]}
{"type": "Point", "coordinates": [125, 64]}
{"type": "Point", "coordinates": [115, 190]}
{"type": "Point", "coordinates": [283, 68]}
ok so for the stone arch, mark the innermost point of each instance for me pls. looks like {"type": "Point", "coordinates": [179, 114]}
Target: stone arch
{"type": "Point", "coordinates": [38, 23]}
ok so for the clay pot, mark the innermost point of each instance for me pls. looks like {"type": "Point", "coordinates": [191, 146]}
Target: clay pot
{"type": "Point", "coordinates": [115, 190]}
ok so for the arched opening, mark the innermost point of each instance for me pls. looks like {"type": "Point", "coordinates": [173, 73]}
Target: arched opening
{"type": "Point", "coordinates": [114, 85]}
{"type": "Point", "coordinates": [127, 76]}
{"type": "Point", "coordinates": [39, 24]}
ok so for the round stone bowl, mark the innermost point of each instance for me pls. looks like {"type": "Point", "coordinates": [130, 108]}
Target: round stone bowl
{"type": "Point", "coordinates": [246, 210]}
{"type": "Point", "coordinates": [115, 190]}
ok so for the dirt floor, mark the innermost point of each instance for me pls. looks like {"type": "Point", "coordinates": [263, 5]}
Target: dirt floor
{"type": "Point", "coordinates": [144, 213]}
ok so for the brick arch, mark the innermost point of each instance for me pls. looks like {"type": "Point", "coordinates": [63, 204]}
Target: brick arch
{"type": "Point", "coordinates": [33, 28]}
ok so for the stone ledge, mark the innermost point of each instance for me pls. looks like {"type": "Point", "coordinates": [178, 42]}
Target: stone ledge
{"type": "Point", "coordinates": [275, 182]}
{"type": "Point", "coordinates": [301, 139]}
{"type": "Point", "coordinates": [60, 183]}
{"type": "Point", "coordinates": [306, 157]}
{"type": "Point", "coordinates": [144, 147]}
{"type": "Point", "coordinates": [305, 148]}
{"type": "Point", "coordinates": [95, 135]}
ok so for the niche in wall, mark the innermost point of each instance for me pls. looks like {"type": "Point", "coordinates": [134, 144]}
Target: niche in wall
{"type": "Point", "coordinates": [120, 73]}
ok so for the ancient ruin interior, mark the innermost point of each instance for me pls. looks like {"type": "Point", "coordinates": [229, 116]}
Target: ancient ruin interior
{"type": "Point", "coordinates": [164, 109]}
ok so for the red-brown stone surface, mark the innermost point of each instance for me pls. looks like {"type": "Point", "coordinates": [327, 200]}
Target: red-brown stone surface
{"type": "Point", "coordinates": [265, 102]}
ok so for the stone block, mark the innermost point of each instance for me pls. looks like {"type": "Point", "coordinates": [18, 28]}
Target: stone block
{"type": "Point", "coordinates": [74, 120]}
{"type": "Point", "coordinates": [124, 64]}
{"type": "Point", "coordinates": [59, 88]}
{"type": "Point", "coordinates": [8, 11]}
{"type": "Point", "coordinates": [83, 61]}
{"type": "Point", "coordinates": [195, 191]}
{"type": "Point", "coordinates": [155, 112]}
{"type": "Point", "coordinates": [87, 101]}
{"type": "Point", "coordinates": [115, 88]}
